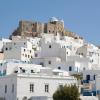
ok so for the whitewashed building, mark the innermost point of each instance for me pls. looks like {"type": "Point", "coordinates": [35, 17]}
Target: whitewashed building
{"type": "Point", "coordinates": [20, 50]}
{"type": "Point", "coordinates": [32, 86]}
{"type": "Point", "coordinates": [3, 41]}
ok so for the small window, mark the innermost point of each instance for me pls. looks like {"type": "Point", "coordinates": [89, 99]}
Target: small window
{"type": "Point", "coordinates": [70, 68]}
{"type": "Point", "coordinates": [12, 88]}
{"type": "Point", "coordinates": [24, 43]}
{"type": "Point", "coordinates": [31, 87]}
{"type": "Point", "coordinates": [60, 86]}
{"type": "Point", "coordinates": [32, 71]}
{"type": "Point", "coordinates": [46, 88]}
{"type": "Point", "coordinates": [59, 67]}
{"type": "Point", "coordinates": [6, 49]}
{"type": "Point", "coordinates": [28, 56]}
{"type": "Point", "coordinates": [49, 46]}
{"type": "Point", "coordinates": [25, 55]}
{"type": "Point", "coordinates": [23, 70]}
{"type": "Point", "coordinates": [4, 72]}
{"type": "Point", "coordinates": [24, 49]}
{"type": "Point", "coordinates": [92, 60]}
{"type": "Point", "coordinates": [15, 71]}
{"type": "Point", "coordinates": [31, 57]}
{"type": "Point", "coordinates": [88, 77]}
{"type": "Point", "coordinates": [24, 98]}
{"type": "Point", "coordinates": [84, 68]}
{"type": "Point", "coordinates": [5, 88]}
{"type": "Point", "coordinates": [20, 67]}
{"type": "Point", "coordinates": [36, 54]}
{"type": "Point", "coordinates": [14, 43]}
{"type": "Point", "coordinates": [94, 77]}
{"type": "Point", "coordinates": [82, 54]}
{"type": "Point", "coordinates": [41, 63]}
{"type": "Point", "coordinates": [49, 62]}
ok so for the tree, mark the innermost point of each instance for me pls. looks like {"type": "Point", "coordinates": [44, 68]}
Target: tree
{"type": "Point", "coordinates": [78, 76]}
{"type": "Point", "coordinates": [66, 93]}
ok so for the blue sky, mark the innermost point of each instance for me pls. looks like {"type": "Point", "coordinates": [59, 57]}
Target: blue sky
{"type": "Point", "coordinates": [80, 16]}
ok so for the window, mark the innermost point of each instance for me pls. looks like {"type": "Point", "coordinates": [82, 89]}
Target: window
{"type": "Point", "coordinates": [5, 88]}
{"type": "Point", "coordinates": [36, 54]}
{"type": "Point", "coordinates": [23, 70]}
{"type": "Point", "coordinates": [12, 88]}
{"type": "Point", "coordinates": [88, 77]}
{"type": "Point", "coordinates": [60, 86]}
{"type": "Point", "coordinates": [84, 68]}
{"type": "Point", "coordinates": [31, 87]}
{"type": "Point", "coordinates": [28, 56]}
{"type": "Point", "coordinates": [82, 54]}
{"type": "Point", "coordinates": [6, 49]}
{"type": "Point", "coordinates": [92, 60]}
{"type": "Point", "coordinates": [24, 98]}
{"type": "Point", "coordinates": [67, 52]}
{"type": "Point", "coordinates": [14, 43]}
{"type": "Point", "coordinates": [46, 88]}
{"type": "Point", "coordinates": [31, 57]}
{"type": "Point", "coordinates": [25, 55]}
{"type": "Point", "coordinates": [4, 72]}
{"type": "Point", "coordinates": [24, 49]}
{"type": "Point", "coordinates": [41, 63]}
{"type": "Point", "coordinates": [94, 77]}
{"type": "Point", "coordinates": [59, 67]}
{"type": "Point", "coordinates": [49, 46]}
{"type": "Point", "coordinates": [32, 71]}
{"type": "Point", "coordinates": [49, 62]}
{"type": "Point", "coordinates": [15, 71]}
{"type": "Point", "coordinates": [70, 68]}
{"type": "Point", "coordinates": [20, 67]}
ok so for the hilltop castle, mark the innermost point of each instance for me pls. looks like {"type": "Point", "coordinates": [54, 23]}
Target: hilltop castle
{"type": "Point", "coordinates": [32, 29]}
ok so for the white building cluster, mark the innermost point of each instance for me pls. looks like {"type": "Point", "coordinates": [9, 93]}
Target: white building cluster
{"type": "Point", "coordinates": [33, 68]}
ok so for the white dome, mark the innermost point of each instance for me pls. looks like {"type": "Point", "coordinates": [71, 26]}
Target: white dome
{"type": "Point", "coordinates": [53, 19]}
